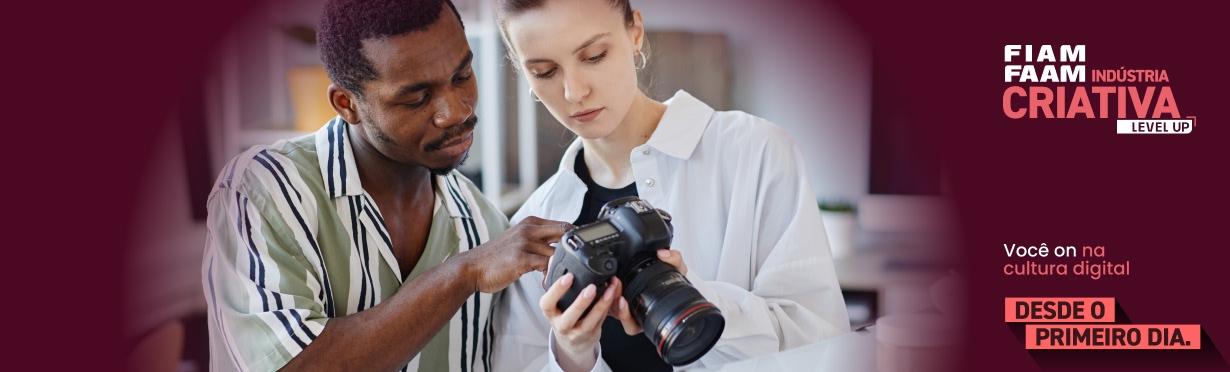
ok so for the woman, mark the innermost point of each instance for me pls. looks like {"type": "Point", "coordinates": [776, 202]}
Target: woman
{"type": "Point", "coordinates": [747, 232]}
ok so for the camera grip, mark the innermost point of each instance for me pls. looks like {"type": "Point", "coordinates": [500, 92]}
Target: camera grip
{"type": "Point", "coordinates": [565, 261]}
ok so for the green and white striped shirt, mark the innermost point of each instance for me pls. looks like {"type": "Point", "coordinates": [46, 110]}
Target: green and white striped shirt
{"type": "Point", "coordinates": [294, 240]}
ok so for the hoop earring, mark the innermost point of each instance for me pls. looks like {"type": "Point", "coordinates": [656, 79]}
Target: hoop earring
{"type": "Point", "coordinates": [644, 61]}
{"type": "Point", "coordinates": [534, 96]}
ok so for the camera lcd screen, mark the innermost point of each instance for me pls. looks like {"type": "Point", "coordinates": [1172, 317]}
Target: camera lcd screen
{"type": "Point", "coordinates": [596, 231]}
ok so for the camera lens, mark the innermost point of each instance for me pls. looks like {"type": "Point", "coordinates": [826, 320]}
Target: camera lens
{"type": "Point", "coordinates": [689, 334]}
{"type": "Point", "coordinates": [680, 323]}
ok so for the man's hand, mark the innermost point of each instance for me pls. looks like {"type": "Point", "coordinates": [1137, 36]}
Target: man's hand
{"type": "Point", "coordinates": [524, 247]}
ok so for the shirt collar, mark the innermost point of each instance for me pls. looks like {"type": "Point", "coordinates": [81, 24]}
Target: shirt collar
{"type": "Point", "coordinates": [567, 166]}
{"type": "Point", "coordinates": [678, 133]}
{"type": "Point", "coordinates": [681, 126]}
{"type": "Point", "coordinates": [568, 161]}
{"type": "Point", "coordinates": [337, 164]}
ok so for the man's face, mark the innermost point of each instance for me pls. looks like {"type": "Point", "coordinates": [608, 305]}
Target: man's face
{"type": "Point", "coordinates": [420, 109]}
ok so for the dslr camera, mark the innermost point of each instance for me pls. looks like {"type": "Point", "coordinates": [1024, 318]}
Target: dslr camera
{"type": "Point", "coordinates": [623, 242]}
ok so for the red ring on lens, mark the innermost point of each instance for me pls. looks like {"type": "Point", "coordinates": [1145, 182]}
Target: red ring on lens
{"type": "Point", "coordinates": [666, 331]}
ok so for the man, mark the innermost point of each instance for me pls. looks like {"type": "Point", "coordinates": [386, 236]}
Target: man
{"type": "Point", "coordinates": [359, 247]}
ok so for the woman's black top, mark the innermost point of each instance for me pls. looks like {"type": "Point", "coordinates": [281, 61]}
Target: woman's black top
{"type": "Point", "coordinates": [620, 351]}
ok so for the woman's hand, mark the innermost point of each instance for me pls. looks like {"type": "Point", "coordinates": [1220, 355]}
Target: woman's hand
{"type": "Point", "coordinates": [624, 313]}
{"type": "Point", "coordinates": [674, 258]}
{"type": "Point", "coordinates": [576, 337]}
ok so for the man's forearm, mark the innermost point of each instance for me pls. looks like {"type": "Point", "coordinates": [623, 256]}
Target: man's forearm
{"type": "Point", "coordinates": [386, 337]}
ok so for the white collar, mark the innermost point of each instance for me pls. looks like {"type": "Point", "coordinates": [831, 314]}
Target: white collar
{"type": "Point", "coordinates": [678, 133]}
{"type": "Point", "coordinates": [682, 126]}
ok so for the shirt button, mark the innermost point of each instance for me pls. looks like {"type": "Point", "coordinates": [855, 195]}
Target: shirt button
{"type": "Point", "coordinates": [649, 182]}
{"type": "Point", "coordinates": [645, 151]}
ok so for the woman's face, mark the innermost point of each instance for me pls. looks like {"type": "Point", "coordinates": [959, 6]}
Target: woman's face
{"type": "Point", "coordinates": [578, 58]}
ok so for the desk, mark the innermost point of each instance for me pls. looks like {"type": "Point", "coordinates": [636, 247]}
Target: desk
{"type": "Point", "coordinates": [851, 352]}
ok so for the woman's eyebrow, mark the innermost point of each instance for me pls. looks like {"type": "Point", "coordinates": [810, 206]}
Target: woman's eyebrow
{"type": "Point", "coordinates": [584, 45]}
{"type": "Point", "coordinates": [589, 42]}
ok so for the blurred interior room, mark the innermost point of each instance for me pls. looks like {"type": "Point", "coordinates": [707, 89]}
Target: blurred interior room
{"type": "Point", "coordinates": [881, 190]}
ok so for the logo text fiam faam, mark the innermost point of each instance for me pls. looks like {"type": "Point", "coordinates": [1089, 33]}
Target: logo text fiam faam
{"type": "Point", "coordinates": [1048, 83]}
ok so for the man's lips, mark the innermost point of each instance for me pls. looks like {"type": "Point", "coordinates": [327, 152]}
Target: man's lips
{"type": "Point", "coordinates": [458, 146]}
{"type": "Point", "coordinates": [457, 141]}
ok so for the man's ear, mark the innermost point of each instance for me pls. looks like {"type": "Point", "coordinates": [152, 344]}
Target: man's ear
{"type": "Point", "coordinates": [344, 103]}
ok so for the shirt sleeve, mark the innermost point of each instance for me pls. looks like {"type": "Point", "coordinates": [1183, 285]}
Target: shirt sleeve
{"type": "Point", "coordinates": [794, 298]}
{"type": "Point", "coordinates": [265, 301]}
{"type": "Point", "coordinates": [523, 336]}
{"type": "Point", "coordinates": [524, 341]}
{"type": "Point", "coordinates": [521, 332]}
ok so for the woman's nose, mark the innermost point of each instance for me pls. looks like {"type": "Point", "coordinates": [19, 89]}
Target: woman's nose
{"type": "Point", "coordinates": [576, 88]}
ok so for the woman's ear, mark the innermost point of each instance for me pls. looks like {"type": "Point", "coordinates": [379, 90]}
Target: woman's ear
{"type": "Point", "coordinates": [344, 103]}
{"type": "Point", "coordinates": [637, 30]}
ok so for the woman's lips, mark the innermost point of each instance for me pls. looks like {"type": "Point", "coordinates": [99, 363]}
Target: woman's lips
{"type": "Point", "coordinates": [587, 115]}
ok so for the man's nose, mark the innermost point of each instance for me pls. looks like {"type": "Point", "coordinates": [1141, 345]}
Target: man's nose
{"type": "Point", "coordinates": [452, 109]}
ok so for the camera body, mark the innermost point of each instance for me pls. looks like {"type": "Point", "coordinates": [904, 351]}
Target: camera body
{"type": "Point", "coordinates": [628, 231]}
{"type": "Point", "coordinates": [623, 242]}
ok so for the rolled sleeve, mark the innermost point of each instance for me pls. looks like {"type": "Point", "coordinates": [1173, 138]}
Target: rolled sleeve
{"type": "Point", "coordinates": [265, 302]}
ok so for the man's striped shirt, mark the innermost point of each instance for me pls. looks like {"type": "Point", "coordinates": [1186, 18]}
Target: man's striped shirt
{"type": "Point", "coordinates": [294, 240]}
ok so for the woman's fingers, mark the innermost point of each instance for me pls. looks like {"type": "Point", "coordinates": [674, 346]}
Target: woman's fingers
{"type": "Point", "coordinates": [546, 273]}
{"type": "Point", "coordinates": [621, 311]}
{"type": "Point", "coordinates": [549, 299]}
{"type": "Point", "coordinates": [569, 318]}
{"type": "Point", "coordinates": [619, 303]}
{"type": "Point", "coordinates": [674, 258]}
{"type": "Point", "coordinates": [624, 314]}
{"type": "Point", "coordinates": [598, 313]}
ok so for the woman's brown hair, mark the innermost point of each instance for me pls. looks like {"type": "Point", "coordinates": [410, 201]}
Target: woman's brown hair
{"type": "Point", "coordinates": [505, 9]}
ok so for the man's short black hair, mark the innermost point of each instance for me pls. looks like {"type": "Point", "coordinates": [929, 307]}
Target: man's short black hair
{"type": "Point", "coordinates": [345, 24]}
